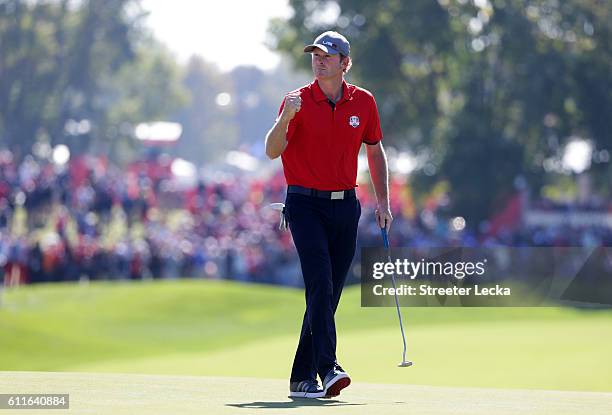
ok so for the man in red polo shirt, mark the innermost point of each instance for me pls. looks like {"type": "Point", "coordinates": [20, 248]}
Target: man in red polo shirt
{"type": "Point", "coordinates": [318, 133]}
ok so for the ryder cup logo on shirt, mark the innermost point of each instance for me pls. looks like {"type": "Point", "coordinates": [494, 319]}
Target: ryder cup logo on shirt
{"type": "Point", "coordinates": [354, 121]}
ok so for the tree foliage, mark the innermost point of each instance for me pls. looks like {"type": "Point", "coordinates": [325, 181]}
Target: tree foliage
{"type": "Point", "coordinates": [68, 61]}
{"type": "Point", "coordinates": [484, 90]}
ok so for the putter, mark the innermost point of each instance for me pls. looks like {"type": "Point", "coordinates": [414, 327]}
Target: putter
{"type": "Point", "coordinates": [404, 362]}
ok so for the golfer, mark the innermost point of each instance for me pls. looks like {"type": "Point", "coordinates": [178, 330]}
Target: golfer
{"type": "Point", "coordinates": [318, 134]}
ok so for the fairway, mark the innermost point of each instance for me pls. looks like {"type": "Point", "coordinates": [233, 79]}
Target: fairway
{"type": "Point", "coordinates": [93, 393]}
{"type": "Point", "coordinates": [225, 329]}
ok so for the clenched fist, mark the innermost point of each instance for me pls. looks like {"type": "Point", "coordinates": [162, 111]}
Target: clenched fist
{"type": "Point", "coordinates": [293, 103]}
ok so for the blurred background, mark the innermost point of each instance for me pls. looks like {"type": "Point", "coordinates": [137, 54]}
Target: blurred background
{"type": "Point", "coordinates": [131, 132]}
{"type": "Point", "coordinates": [132, 170]}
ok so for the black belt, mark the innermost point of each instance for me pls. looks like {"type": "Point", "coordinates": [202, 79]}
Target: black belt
{"type": "Point", "coordinates": [324, 194]}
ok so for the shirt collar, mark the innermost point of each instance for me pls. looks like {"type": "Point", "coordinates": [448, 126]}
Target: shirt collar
{"type": "Point", "coordinates": [319, 95]}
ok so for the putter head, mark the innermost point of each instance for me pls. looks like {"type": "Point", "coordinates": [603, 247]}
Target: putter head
{"type": "Point", "coordinates": [405, 364]}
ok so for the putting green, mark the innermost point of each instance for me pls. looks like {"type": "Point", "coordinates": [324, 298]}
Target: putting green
{"type": "Point", "coordinates": [512, 355]}
{"type": "Point", "coordinates": [213, 328]}
{"type": "Point", "coordinates": [95, 393]}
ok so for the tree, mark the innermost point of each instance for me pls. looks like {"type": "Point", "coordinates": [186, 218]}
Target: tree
{"type": "Point", "coordinates": [484, 90]}
{"type": "Point", "coordinates": [208, 122]}
{"type": "Point", "coordinates": [86, 63]}
{"type": "Point", "coordinates": [148, 88]}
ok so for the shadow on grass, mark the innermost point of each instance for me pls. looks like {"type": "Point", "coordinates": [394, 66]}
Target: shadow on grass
{"type": "Point", "coordinates": [293, 403]}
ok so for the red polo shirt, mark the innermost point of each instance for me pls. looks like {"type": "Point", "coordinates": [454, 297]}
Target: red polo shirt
{"type": "Point", "coordinates": [323, 142]}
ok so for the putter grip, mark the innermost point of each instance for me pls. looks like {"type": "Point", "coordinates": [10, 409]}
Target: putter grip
{"type": "Point", "coordinates": [385, 237]}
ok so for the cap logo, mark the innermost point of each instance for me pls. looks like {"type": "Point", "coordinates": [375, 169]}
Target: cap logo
{"type": "Point", "coordinates": [354, 121]}
{"type": "Point", "coordinates": [328, 43]}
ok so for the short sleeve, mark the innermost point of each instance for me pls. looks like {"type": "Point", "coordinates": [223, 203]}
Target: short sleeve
{"type": "Point", "coordinates": [372, 134]}
{"type": "Point", "coordinates": [292, 123]}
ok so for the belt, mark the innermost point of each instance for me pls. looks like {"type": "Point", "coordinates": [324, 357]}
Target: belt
{"type": "Point", "coordinates": [324, 194]}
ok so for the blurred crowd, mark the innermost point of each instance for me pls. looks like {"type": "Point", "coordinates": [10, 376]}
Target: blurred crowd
{"type": "Point", "coordinates": [89, 219]}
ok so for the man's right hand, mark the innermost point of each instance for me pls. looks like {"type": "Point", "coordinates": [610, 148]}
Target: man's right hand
{"type": "Point", "coordinates": [293, 103]}
{"type": "Point", "coordinates": [276, 139]}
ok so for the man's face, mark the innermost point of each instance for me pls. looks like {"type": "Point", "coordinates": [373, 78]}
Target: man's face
{"type": "Point", "coordinates": [326, 66]}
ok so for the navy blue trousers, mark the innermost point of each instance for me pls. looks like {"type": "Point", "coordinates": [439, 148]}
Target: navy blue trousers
{"type": "Point", "coordinates": [324, 232]}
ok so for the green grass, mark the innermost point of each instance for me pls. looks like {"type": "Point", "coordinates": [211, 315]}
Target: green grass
{"type": "Point", "coordinates": [195, 327]}
{"type": "Point", "coordinates": [132, 394]}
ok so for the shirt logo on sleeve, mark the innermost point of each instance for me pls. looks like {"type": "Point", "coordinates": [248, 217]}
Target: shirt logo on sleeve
{"type": "Point", "coordinates": [354, 121]}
